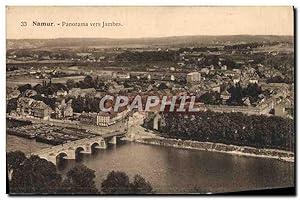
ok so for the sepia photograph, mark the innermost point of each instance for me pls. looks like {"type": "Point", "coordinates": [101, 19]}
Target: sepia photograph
{"type": "Point", "coordinates": [150, 100]}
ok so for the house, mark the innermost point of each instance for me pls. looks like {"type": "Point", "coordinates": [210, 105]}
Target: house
{"type": "Point", "coordinates": [75, 92]}
{"type": "Point", "coordinates": [63, 109]}
{"type": "Point", "coordinates": [12, 94]}
{"type": "Point", "coordinates": [204, 71]}
{"type": "Point", "coordinates": [225, 95]}
{"type": "Point", "coordinates": [246, 101]}
{"type": "Point", "coordinates": [121, 75]}
{"type": "Point", "coordinates": [111, 117]}
{"type": "Point", "coordinates": [103, 119]}
{"type": "Point", "coordinates": [236, 79]}
{"type": "Point", "coordinates": [29, 93]}
{"type": "Point", "coordinates": [216, 88]}
{"type": "Point", "coordinates": [88, 118]}
{"type": "Point", "coordinates": [61, 93]}
{"type": "Point", "coordinates": [30, 107]}
{"type": "Point", "coordinates": [253, 80]}
{"type": "Point", "coordinates": [224, 67]}
{"type": "Point", "coordinates": [115, 88]}
{"type": "Point", "coordinates": [172, 77]}
{"type": "Point", "coordinates": [193, 77]}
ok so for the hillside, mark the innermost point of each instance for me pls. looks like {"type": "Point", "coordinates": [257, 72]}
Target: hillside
{"type": "Point", "coordinates": [176, 41]}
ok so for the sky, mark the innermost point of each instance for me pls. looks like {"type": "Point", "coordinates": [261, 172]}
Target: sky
{"type": "Point", "coordinates": [139, 22]}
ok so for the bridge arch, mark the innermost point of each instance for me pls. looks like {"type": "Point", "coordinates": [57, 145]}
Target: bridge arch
{"type": "Point", "coordinates": [94, 146]}
{"type": "Point", "coordinates": [78, 150]}
{"type": "Point", "coordinates": [60, 157]}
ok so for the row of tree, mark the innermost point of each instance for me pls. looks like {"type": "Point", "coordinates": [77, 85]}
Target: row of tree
{"type": "Point", "coordinates": [237, 95]}
{"type": "Point", "coordinates": [230, 128]}
{"type": "Point", "coordinates": [128, 56]}
{"type": "Point", "coordinates": [86, 104]}
{"type": "Point", "coordinates": [34, 175]}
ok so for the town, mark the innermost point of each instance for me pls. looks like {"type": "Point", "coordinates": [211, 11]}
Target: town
{"type": "Point", "coordinates": [66, 85]}
{"type": "Point", "coordinates": [222, 96]}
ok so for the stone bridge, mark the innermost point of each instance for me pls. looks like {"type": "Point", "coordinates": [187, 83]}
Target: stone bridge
{"type": "Point", "coordinates": [71, 150]}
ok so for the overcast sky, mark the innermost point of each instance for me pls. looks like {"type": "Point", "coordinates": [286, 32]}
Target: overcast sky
{"type": "Point", "coordinates": [140, 22]}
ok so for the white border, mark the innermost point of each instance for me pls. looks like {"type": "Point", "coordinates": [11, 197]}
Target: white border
{"type": "Point", "coordinates": [107, 3]}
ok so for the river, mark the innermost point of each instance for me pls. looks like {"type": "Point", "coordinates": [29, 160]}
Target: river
{"type": "Point", "coordinates": [172, 170]}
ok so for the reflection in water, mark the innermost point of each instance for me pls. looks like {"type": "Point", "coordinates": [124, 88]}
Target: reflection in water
{"type": "Point", "coordinates": [172, 170]}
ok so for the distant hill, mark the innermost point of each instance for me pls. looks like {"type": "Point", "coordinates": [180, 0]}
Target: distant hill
{"type": "Point", "coordinates": [176, 41]}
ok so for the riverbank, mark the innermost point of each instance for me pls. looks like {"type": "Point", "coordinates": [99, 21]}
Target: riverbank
{"type": "Point", "coordinates": [218, 147]}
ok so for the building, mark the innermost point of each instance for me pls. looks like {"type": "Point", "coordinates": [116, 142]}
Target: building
{"type": "Point", "coordinates": [88, 118]}
{"type": "Point", "coordinates": [204, 70]}
{"type": "Point", "coordinates": [63, 109]}
{"type": "Point", "coordinates": [172, 77]}
{"type": "Point", "coordinates": [225, 95]}
{"type": "Point", "coordinates": [61, 93]}
{"type": "Point", "coordinates": [29, 93]}
{"type": "Point", "coordinates": [120, 75]}
{"type": "Point", "coordinates": [76, 92]}
{"type": "Point", "coordinates": [193, 77]}
{"type": "Point", "coordinates": [104, 118]}
{"type": "Point", "coordinates": [236, 79]}
{"type": "Point", "coordinates": [30, 107]}
{"type": "Point", "coordinates": [224, 67]}
{"type": "Point", "coordinates": [110, 118]}
{"type": "Point", "coordinates": [253, 80]}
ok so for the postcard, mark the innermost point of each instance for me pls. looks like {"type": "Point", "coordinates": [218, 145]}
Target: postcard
{"type": "Point", "coordinates": [150, 100]}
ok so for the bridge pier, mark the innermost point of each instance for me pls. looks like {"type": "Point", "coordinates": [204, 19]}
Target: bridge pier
{"type": "Point", "coordinates": [87, 149]}
{"type": "Point", "coordinates": [102, 145]}
{"type": "Point", "coordinates": [113, 140]}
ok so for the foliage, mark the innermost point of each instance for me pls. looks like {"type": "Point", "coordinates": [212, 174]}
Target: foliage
{"type": "Point", "coordinates": [15, 159]}
{"type": "Point", "coordinates": [80, 180]}
{"type": "Point", "coordinates": [39, 176]}
{"type": "Point", "coordinates": [147, 56]}
{"type": "Point", "coordinates": [140, 185]}
{"type": "Point", "coordinates": [86, 104]}
{"type": "Point", "coordinates": [118, 183]}
{"type": "Point", "coordinates": [230, 128]}
{"type": "Point", "coordinates": [11, 105]}
{"type": "Point", "coordinates": [210, 98]}
{"type": "Point", "coordinates": [23, 88]}
{"type": "Point", "coordinates": [32, 175]}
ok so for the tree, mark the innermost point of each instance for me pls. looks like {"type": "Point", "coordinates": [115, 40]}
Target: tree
{"type": "Point", "coordinates": [162, 86]}
{"type": "Point", "coordinates": [230, 128]}
{"type": "Point", "coordinates": [11, 105]}
{"type": "Point", "coordinates": [211, 98]}
{"type": "Point", "coordinates": [88, 80]}
{"type": "Point", "coordinates": [236, 95]}
{"type": "Point", "coordinates": [23, 88]}
{"type": "Point", "coordinates": [140, 185]}
{"type": "Point", "coordinates": [116, 183]}
{"type": "Point", "coordinates": [14, 159]}
{"type": "Point", "coordinates": [33, 175]}
{"type": "Point", "coordinates": [38, 88]}
{"type": "Point", "coordinates": [70, 83]}
{"type": "Point", "coordinates": [80, 179]}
